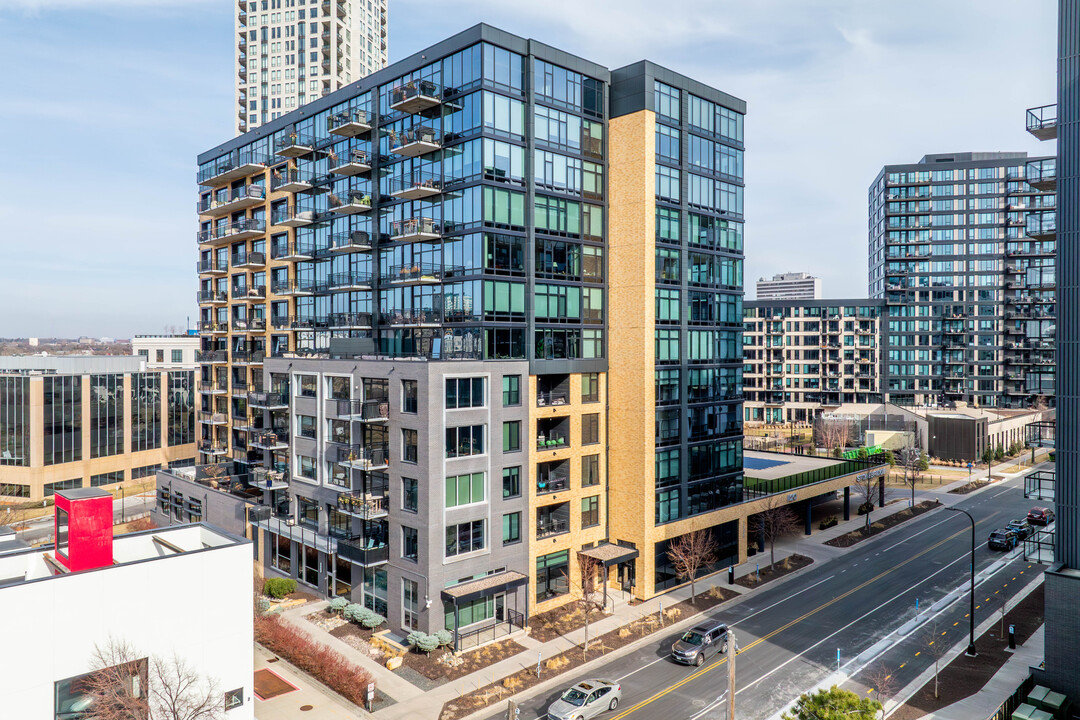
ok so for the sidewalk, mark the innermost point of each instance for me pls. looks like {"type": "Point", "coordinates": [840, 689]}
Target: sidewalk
{"type": "Point", "coordinates": [324, 705]}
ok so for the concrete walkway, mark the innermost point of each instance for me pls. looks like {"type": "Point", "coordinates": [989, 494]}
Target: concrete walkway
{"type": "Point", "coordinates": [324, 704]}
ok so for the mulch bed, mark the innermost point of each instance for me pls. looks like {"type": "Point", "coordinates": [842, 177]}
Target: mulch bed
{"type": "Point", "coordinates": [880, 526]}
{"type": "Point", "coordinates": [564, 662]}
{"type": "Point", "coordinates": [556, 623]}
{"type": "Point", "coordinates": [965, 676]}
{"type": "Point", "coordinates": [773, 572]}
{"type": "Point", "coordinates": [971, 486]}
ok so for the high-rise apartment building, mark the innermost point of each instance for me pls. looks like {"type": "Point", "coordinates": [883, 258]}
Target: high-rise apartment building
{"type": "Point", "coordinates": [290, 52]}
{"type": "Point", "coordinates": [418, 296]}
{"type": "Point", "coordinates": [789, 286]}
{"type": "Point", "coordinates": [962, 251]}
{"type": "Point", "coordinates": [805, 356]}
{"type": "Point", "coordinates": [90, 421]}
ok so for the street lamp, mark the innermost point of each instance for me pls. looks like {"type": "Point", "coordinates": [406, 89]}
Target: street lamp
{"type": "Point", "coordinates": [971, 641]}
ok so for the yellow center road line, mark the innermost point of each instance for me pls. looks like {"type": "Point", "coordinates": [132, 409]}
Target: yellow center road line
{"type": "Point", "coordinates": [708, 668]}
{"type": "Point", "coordinates": [902, 665]}
{"type": "Point", "coordinates": [918, 653]}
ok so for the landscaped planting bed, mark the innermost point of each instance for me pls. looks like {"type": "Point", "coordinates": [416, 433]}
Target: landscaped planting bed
{"type": "Point", "coordinates": [773, 572]}
{"type": "Point", "coordinates": [880, 526]}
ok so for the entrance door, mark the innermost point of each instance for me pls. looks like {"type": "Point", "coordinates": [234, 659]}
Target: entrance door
{"type": "Point", "coordinates": [500, 607]}
{"type": "Point", "coordinates": [626, 575]}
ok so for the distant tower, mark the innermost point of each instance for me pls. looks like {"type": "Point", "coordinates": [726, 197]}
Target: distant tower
{"type": "Point", "coordinates": [789, 286]}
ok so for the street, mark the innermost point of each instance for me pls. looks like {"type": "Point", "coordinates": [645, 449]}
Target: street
{"type": "Point", "coordinates": [790, 635]}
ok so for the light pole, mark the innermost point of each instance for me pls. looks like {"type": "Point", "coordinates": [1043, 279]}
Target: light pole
{"type": "Point", "coordinates": [971, 641]}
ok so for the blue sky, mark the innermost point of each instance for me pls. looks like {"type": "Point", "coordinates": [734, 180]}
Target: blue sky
{"type": "Point", "coordinates": [113, 99]}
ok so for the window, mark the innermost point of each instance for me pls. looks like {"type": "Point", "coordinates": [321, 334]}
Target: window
{"type": "Point", "coordinates": [511, 390]}
{"type": "Point", "coordinates": [464, 393]}
{"type": "Point", "coordinates": [409, 494]}
{"type": "Point", "coordinates": [464, 441]}
{"type": "Point", "coordinates": [590, 387]}
{"type": "Point", "coordinates": [666, 101]}
{"type": "Point", "coordinates": [305, 426]}
{"type": "Point", "coordinates": [511, 528]}
{"type": "Point", "coordinates": [512, 436]}
{"type": "Point", "coordinates": [306, 386]}
{"type": "Point", "coordinates": [234, 698]}
{"type": "Point", "coordinates": [465, 489]}
{"type": "Point", "coordinates": [307, 511]}
{"type": "Point", "coordinates": [590, 511]}
{"type": "Point", "coordinates": [109, 478]}
{"type": "Point", "coordinates": [408, 445]}
{"type": "Point", "coordinates": [552, 575]}
{"type": "Point", "coordinates": [306, 466]}
{"type": "Point", "coordinates": [590, 429]}
{"type": "Point", "coordinates": [511, 478]}
{"type": "Point", "coordinates": [590, 470]}
{"type": "Point", "coordinates": [408, 396]}
{"type": "Point", "coordinates": [178, 356]}
{"type": "Point", "coordinates": [340, 388]}
{"type": "Point", "coordinates": [410, 543]}
{"type": "Point", "coordinates": [464, 538]}
{"type": "Point", "coordinates": [51, 488]}
{"type": "Point", "coordinates": [159, 355]}
{"type": "Point", "coordinates": [410, 604]}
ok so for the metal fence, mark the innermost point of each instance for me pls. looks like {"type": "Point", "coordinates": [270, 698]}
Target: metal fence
{"type": "Point", "coordinates": [1039, 485]}
{"type": "Point", "coordinates": [490, 633]}
{"type": "Point", "coordinates": [1004, 712]}
{"type": "Point", "coordinates": [756, 487]}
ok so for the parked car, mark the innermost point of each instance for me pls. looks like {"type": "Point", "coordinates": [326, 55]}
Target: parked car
{"type": "Point", "coordinates": [700, 642]}
{"type": "Point", "coordinates": [1021, 527]}
{"type": "Point", "coordinates": [1003, 539]}
{"type": "Point", "coordinates": [1040, 516]}
{"type": "Point", "coordinates": [586, 700]}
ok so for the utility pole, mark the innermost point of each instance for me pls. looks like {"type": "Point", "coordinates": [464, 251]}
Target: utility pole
{"type": "Point", "coordinates": [733, 650]}
{"type": "Point", "coordinates": [970, 652]}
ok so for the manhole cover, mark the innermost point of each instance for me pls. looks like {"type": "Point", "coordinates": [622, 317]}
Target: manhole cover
{"type": "Point", "coordinates": [697, 703]}
{"type": "Point", "coordinates": [305, 708]}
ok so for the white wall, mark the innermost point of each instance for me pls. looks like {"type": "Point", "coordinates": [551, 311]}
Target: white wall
{"type": "Point", "coordinates": [196, 604]}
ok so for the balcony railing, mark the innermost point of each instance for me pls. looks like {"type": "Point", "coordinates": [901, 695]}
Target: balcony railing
{"type": "Point", "coordinates": [211, 356]}
{"type": "Point", "coordinates": [1042, 122]}
{"type": "Point", "coordinates": [349, 123]}
{"type": "Point", "coordinates": [417, 185]}
{"type": "Point", "coordinates": [213, 448]}
{"type": "Point", "coordinates": [294, 145]}
{"type": "Point", "coordinates": [238, 230]}
{"type": "Point", "coordinates": [213, 418]}
{"type": "Point", "coordinates": [363, 551]}
{"type": "Point", "coordinates": [271, 439]}
{"type": "Point", "coordinates": [551, 527]}
{"type": "Point", "coordinates": [416, 229]}
{"type": "Point", "coordinates": [363, 457]}
{"type": "Point", "coordinates": [354, 240]}
{"type": "Point", "coordinates": [349, 320]}
{"type": "Point", "coordinates": [232, 167]}
{"type": "Point", "coordinates": [1042, 224]}
{"type": "Point", "coordinates": [349, 281]}
{"type": "Point", "coordinates": [249, 260]}
{"type": "Point", "coordinates": [355, 162]}
{"type": "Point", "coordinates": [552, 441]}
{"type": "Point", "coordinates": [414, 96]}
{"type": "Point", "coordinates": [212, 388]}
{"type": "Point", "coordinates": [365, 410]}
{"type": "Point", "coordinates": [248, 357]}
{"type": "Point", "coordinates": [556, 482]}
{"type": "Point", "coordinates": [292, 250]}
{"type": "Point", "coordinates": [368, 507]}
{"type": "Point", "coordinates": [223, 203]}
{"type": "Point", "coordinates": [415, 141]}
{"type": "Point", "coordinates": [413, 274]}
{"type": "Point", "coordinates": [209, 326]}
{"type": "Point", "coordinates": [354, 201]}
{"type": "Point", "coordinates": [212, 266]}
{"type": "Point", "coordinates": [552, 397]}
{"type": "Point", "coordinates": [292, 215]}
{"type": "Point", "coordinates": [411, 317]}
{"type": "Point", "coordinates": [1041, 174]}
{"type": "Point", "coordinates": [272, 400]}
{"type": "Point", "coordinates": [291, 180]}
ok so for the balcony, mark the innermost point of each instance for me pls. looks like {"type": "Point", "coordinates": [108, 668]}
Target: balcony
{"type": "Point", "coordinates": [553, 526]}
{"type": "Point", "coordinates": [413, 275]}
{"type": "Point", "coordinates": [371, 411]}
{"type": "Point", "coordinates": [552, 477]}
{"type": "Point", "coordinates": [349, 281]}
{"type": "Point", "coordinates": [362, 457]}
{"type": "Point", "coordinates": [255, 324]}
{"type": "Point", "coordinates": [352, 241]}
{"type": "Point", "coordinates": [213, 418]}
{"type": "Point", "coordinates": [212, 266]}
{"type": "Point", "coordinates": [272, 439]}
{"type": "Point", "coordinates": [292, 250]}
{"type": "Point", "coordinates": [349, 123]}
{"type": "Point", "coordinates": [211, 388]}
{"type": "Point", "coordinates": [417, 229]}
{"type": "Point", "coordinates": [552, 398]}
{"type": "Point", "coordinates": [414, 318]}
{"type": "Point", "coordinates": [294, 145]}
{"type": "Point", "coordinates": [415, 96]}
{"type": "Point", "coordinates": [242, 229]}
{"type": "Point", "coordinates": [354, 202]}
{"type": "Point", "coordinates": [290, 181]}
{"type": "Point", "coordinates": [1041, 225]}
{"type": "Point", "coordinates": [417, 140]}
{"type": "Point", "coordinates": [292, 215]}
{"type": "Point", "coordinates": [211, 356]}
{"type": "Point", "coordinates": [355, 162]}
{"type": "Point", "coordinates": [273, 400]}
{"type": "Point", "coordinates": [248, 357]}
{"type": "Point", "coordinates": [362, 505]}
{"type": "Point", "coordinates": [222, 203]}
{"type": "Point", "coordinates": [1042, 122]}
{"type": "Point", "coordinates": [213, 448]}
{"type": "Point", "coordinates": [213, 297]}
{"type": "Point", "coordinates": [416, 186]}
{"type": "Point", "coordinates": [363, 552]}
{"type": "Point", "coordinates": [296, 288]}
{"type": "Point", "coordinates": [250, 260]}
{"type": "Point", "coordinates": [232, 167]}
{"type": "Point", "coordinates": [1041, 174]}
{"type": "Point", "coordinates": [267, 479]}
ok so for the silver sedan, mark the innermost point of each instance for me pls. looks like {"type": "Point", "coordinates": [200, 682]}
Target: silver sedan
{"type": "Point", "coordinates": [586, 700]}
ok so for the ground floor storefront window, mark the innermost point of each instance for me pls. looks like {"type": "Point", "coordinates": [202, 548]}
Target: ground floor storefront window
{"type": "Point", "coordinates": [726, 538]}
{"type": "Point", "coordinates": [552, 575]}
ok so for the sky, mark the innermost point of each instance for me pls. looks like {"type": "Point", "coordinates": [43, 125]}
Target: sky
{"type": "Point", "coordinates": [113, 100]}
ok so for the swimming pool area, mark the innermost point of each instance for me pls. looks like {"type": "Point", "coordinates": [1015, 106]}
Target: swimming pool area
{"type": "Point", "coordinates": [757, 463]}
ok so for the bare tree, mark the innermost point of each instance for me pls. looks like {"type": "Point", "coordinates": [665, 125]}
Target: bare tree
{"type": "Point", "coordinates": [123, 685]}
{"type": "Point", "coordinates": [691, 552]}
{"type": "Point", "coordinates": [832, 434]}
{"type": "Point", "coordinates": [911, 460]}
{"type": "Point", "coordinates": [775, 520]}
{"type": "Point", "coordinates": [936, 647]}
{"type": "Point", "coordinates": [591, 597]}
{"type": "Point", "coordinates": [883, 684]}
{"type": "Point", "coordinates": [866, 486]}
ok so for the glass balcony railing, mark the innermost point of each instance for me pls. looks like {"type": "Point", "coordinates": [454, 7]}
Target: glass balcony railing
{"type": "Point", "coordinates": [416, 229]}
{"type": "Point", "coordinates": [1042, 122]}
{"type": "Point", "coordinates": [349, 281]}
{"type": "Point", "coordinates": [237, 230]}
{"type": "Point", "coordinates": [1041, 224]}
{"type": "Point", "coordinates": [350, 123]}
{"type": "Point", "coordinates": [291, 180]}
{"type": "Point", "coordinates": [354, 201]}
{"type": "Point", "coordinates": [212, 266]}
{"type": "Point", "coordinates": [213, 297]}
{"type": "Point", "coordinates": [411, 317]}
{"type": "Point", "coordinates": [349, 320]}
{"type": "Point", "coordinates": [417, 140]}
{"type": "Point", "coordinates": [293, 214]}
{"type": "Point", "coordinates": [224, 202]}
{"type": "Point", "coordinates": [1041, 174]}
{"type": "Point", "coordinates": [289, 249]}
{"type": "Point", "coordinates": [416, 274]}
{"type": "Point", "coordinates": [414, 96]}
{"type": "Point", "coordinates": [353, 162]}
{"type": "Point", "coordinates": [294, 144]}
{"type": "Point", "coordinates": [352, 240]}
{"type": "Point", "coordinates": [416, 185]}
{"type": "Point", "coordinates": [364, 410]}
{"type": "Point", "coordinates": [232, 167]}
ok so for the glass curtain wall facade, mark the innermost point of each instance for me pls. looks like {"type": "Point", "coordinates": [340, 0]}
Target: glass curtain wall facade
{"type": "Point", "coordinates": [15, 421]}
{"type": "Point", "coordinates": [962, 252]}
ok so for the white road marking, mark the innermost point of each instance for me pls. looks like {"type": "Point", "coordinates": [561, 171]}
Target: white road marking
{"type": "Point", "coordinates": [642, 667]}
{"type": "Point", "coordinates": [808, 587]}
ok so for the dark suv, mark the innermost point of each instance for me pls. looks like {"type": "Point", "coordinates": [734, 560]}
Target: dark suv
{"type": "Point", "coordinates": [1040, 516]}
{"type": "Point", "coordinates": [1003, 539]}
{"type": "Point", "coordinates": [1021, 527]}
{"type": "Point", "coordinates": [700, 642]}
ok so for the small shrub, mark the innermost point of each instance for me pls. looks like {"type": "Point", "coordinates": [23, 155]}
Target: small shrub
{"type": "Point", "coordinates": [828, 523]}
{"type": "Point", "coordinates": [328, 666]}
{"type": "Point", "coordinates": [624, 632]}
{"type": "Point", "coordinates": [371, 619]}
{"type": "Point", "coordinates": [672, 614]}
{"type": "Point", "coordinates": [263, 605]}
{"type": "Point", "coordinates": [278, 588]}
{"type": "Point", "coordinates": [446, 638]}
{"type": "Point", "coordinates": [352, 612]}
{"type": "Point", "coordinates": [557, 663]}
{"type": "Point", "coordinates": [716, 592]}
{"type": "Point", "coordinates": [512, 683]}
{"type": "Point", "coordinates": [424, 642]}
{"type": "Point", "coordinates": [865, 508]}
{"type": "Point", "coordinates": [338, 605]}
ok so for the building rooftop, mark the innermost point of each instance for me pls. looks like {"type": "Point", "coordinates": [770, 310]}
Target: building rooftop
{"type": "Point", "coordinates": [37, 564]}
{"type": "Point", "coordinates": [71, 364]}
{"type": "Point", "coordinates": [770, 466]}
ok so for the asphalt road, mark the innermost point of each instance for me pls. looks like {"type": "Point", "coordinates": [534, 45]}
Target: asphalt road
{"type": "Point", "coordinates": [790, 634]}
